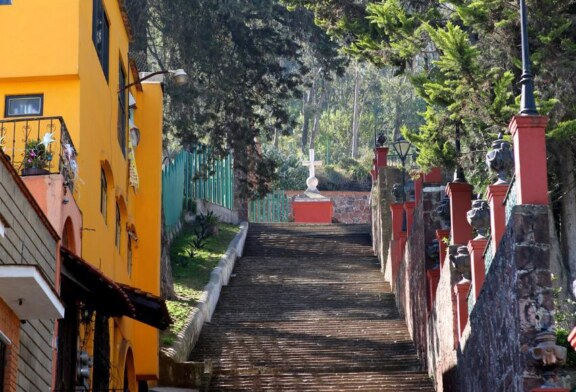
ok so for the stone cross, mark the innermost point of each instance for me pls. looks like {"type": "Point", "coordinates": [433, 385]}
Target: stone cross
{"type": "Point", "coordinates": [312, 181]}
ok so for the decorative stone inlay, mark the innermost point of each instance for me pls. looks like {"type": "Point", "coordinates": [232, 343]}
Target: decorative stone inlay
{"type": "Point", "coordinates": [479, 218]}
{"type": "Point", "coordinates": [501, 160]}
{"type": "Point", "coordinates": [410, 191]}
{"type": "Point", "coordinates": [381, 140]}
{"type": "Point", "coordinates": [461, 262]}
{"type": "Point", "coordinates": [547, 352]}
{"type": "Point", "coordinates": [397, 192]}
{"type": "Point", "coordinates": [443, 212]}
{"type": "Point", "coordinates": [433, 252]}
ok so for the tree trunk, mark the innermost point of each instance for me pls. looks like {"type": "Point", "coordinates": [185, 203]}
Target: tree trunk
{"type": "Point", "coordinates": [355, 114]}
{"type": "Point", "coordinates": [166, 278]}
{"type": "Point", "coordinates": [240, 204]}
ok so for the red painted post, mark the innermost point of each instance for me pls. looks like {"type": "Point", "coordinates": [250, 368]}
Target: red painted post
{"type": "Point", "coordinates": [530, 158]}
{"type": "Point", "coordinates": [381, 157]}
{"type": "Point", "coordinates": [374, 173]}
{"type": "Point", "coordinates": [434, 176]}
{"type": "Point", "coordinates": [409, 208]}
{"type": "Point", "coordinates": [477, 268]}
{"type": "Point", "coordinates": [441, 235]}
{"type": "Point", "coordinates": [433, 280]}
{"type": "Point", "coordinates": [460, 195]}
{"type": "Point", "coordinates": [396, 210]}
{"type": "Point", "coordinates": [495, 197]}
{"type": "Point", "coordinates": [461, 290]}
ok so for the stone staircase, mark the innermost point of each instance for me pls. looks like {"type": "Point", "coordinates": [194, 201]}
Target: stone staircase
{"type": "Point", "coordinates": [308, 310]}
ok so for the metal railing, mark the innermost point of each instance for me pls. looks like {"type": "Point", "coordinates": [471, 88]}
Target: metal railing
{"type": "Point", "coordinates": [192, 176]}
{"type": "Point", "coordinates": [511, 199]}
{"type": "Point", "coordinates": [273, 208]}
{"type": "Point", "coordinates": [39, 145]}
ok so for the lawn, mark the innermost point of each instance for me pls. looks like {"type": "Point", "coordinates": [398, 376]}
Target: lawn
{"type": "Point", "coordinates": [191, 274]}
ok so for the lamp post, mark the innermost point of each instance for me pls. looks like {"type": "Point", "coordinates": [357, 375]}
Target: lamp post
{"type": "Point", "coordinates": [180, 77]}
{"type": "Point", "coordinates": [527, 101]}
{"type": "Point", "coordinates": [402, 148]}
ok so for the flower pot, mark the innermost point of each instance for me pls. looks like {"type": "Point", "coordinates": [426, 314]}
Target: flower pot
{"type": "Point", "coordinates": [34, 171]}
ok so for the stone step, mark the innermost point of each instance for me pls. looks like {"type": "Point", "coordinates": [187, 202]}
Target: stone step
{"type": "Point", "coordinates": [307, 309]}
{"type": "Point", "coordinates": [319, 382]}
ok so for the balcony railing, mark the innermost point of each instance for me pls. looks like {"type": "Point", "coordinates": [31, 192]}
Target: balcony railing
{"type": "Point", "coordinates": [39, 145]}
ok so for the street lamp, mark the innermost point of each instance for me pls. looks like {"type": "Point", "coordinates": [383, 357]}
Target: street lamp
{"type": "Point", "coordinates": [180, 77]}
{"type": "Point", "coordinates": [402, 148]}
{"type": "Point", "coordinates": [527, 101]}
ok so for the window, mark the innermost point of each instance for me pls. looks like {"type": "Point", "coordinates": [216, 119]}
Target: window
{"type": "Point", "coordinates": [122, 112]}
{"type": "Point", "coordinates": [103, 194]}
{"type": "Point", "coordinates": [5, 2]}
{"type": "Point", "coordinates": [118, 228]}
{"type": "Point", "coordinates": [23, 105]}
{"type": "Point", "coordinates": [101, 34]}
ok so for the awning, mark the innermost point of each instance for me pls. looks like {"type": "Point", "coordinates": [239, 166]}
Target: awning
{"type": "Point", "coordinates": [27, 292]}
{"type": "Point", "coordinates": [112, 299]}
{"type": "Point", "coordinates": [150, 309]}
{"type": "Point", "coordinates": [94, 288]}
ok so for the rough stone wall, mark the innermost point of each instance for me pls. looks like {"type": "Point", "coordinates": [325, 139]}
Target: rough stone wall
{"type": "Point", "coordinates": [28, 241]}
{"type": "Point", "coordinates": [349, 207]}
{"type": "Point", "coordinates": [514, 305]}
{"type": "Point", "coordinates": [441, 336]}
{"type": "Point", "coordinates": [411, 284]}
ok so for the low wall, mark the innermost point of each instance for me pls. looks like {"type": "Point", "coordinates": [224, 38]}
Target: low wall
{"type": "Point", "coordinates": [174, 368]}
{"type": "Point", "coordinates": [349, 207]}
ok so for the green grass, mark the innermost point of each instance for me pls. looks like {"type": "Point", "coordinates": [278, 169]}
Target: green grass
{"type": "Point", "coordinates": [191, 274]}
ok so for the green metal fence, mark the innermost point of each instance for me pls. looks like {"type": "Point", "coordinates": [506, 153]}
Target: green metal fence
{"type": "Point", "coordinates": [275, 207]}
{"type": "Point", "coordinates": [191, 176]}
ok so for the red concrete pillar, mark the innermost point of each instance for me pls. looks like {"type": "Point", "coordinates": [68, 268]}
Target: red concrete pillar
{"type": "Point", "coordinates": [461, 290]}
{"type": "Point", "coordinates": [409, 209]}
{"type": "Point", "coordinates": [381, 157]}
{"type": "Point", "coordinates": [441, 235]}
{"type": "Point", "coordinates": [530, 158]}
{"type": "Point", "coordinates": [495, 197]}
{"type": "Point", "coordinates": [373, 173]}
{"type": "Point", "coordinates": [550, 390]}
{"type": "Point", "coordinates": [460, 195]}
{"type": "Point", "coordinates": [396, 209]}
{"type": "Point", "coordinates": [434, 176]}
{"type": "Point", "coordinates": [433, 277]}
{"type": "Point", "coordinates": [476, 250]}
{"type": "Point", "coordinates": [418, 186]}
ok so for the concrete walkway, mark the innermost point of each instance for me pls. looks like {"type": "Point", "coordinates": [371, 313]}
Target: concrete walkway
{"type": "Point", "coordinates": [308, 310]}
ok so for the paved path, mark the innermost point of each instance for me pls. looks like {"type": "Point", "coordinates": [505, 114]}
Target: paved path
{"type": "Point", "coordinates": [308, 310]}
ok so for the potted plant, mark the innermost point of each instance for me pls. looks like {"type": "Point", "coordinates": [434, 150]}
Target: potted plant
{"type": "Point", "coordinates": [36, 158]}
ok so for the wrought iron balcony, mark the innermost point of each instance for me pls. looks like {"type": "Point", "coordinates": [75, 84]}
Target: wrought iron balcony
{"type": "Point", "coordinates": [39, 145]}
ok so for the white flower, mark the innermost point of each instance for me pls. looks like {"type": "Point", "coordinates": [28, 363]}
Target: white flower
{"type": "Point", "coordinates": [47, 139]}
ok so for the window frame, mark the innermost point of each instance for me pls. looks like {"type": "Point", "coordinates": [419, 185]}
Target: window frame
{"type": "Point", "coordinates": [104, 195]}
{"type": "Point", "coordinates": [101, 35]}
{"type": "Point", "coordinates": [9, 98]}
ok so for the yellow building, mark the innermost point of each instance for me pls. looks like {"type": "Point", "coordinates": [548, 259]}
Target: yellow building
{"type": "Point", "coordinates": [67, 62]}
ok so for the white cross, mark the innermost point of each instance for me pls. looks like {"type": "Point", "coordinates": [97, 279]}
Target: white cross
{"type": "Point", "coordinates": [312, 181]}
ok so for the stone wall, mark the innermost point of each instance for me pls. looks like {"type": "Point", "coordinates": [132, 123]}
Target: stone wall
{"type": "Point", "coordinates": [29, 240]}
{"type": "Point", "coordinates": [411, 285]}
{"type": "Point", "coordinates": [349, 207]}
{"type": "Point", "coordinates": [514, 305]}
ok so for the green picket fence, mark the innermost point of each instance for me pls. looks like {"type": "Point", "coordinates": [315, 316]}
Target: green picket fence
{"type": "Point", "coordinates": [191, 176]}
{"type": "Point", "coordinates": [275, 207]}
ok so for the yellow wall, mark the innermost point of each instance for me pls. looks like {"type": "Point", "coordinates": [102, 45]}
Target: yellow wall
{"type": "Point", "coordinates": [49, 50]}
{"type": "Point", "coordinates": [146, 270]}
